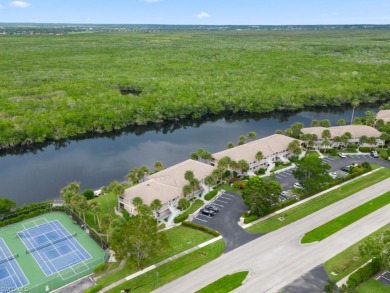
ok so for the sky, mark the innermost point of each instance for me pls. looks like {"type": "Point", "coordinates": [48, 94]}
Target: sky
{"type": "Point", "coordinates": [207, 12]}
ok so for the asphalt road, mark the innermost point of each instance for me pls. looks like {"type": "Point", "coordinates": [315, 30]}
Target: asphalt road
{"type": "Point", "coordinates": [277, 259]}
{"type": "Point", "coordinates": [226, 220]}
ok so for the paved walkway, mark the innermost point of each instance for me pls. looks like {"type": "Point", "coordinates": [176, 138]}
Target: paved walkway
{"type": "Point", "coordinates": [132, 276]}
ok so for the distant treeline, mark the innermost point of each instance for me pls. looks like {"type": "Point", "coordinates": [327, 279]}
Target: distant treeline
{"type": "Point", "coordinates": [56, 87]}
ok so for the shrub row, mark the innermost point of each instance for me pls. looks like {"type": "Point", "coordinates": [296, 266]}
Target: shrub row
{"type": "Point", "coordinates": [364, 273]}
{"type": "Point", "coordinates": [180, 218]}
{"type": "Point", "coordinates": [250, 219]}
{"type": "Point", "coordinates": [211, 194]}
{"type": "Point", "coordinates": [366, 149]}
{"type": "Point", "coordinates": [100, 268]}
{"type": "Point", "coordinates": [201, 228]}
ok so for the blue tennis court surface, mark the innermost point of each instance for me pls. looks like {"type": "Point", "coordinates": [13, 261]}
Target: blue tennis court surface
{"type": "Point", "coordinates": [53, 247]}
{"type": "Point", "coordinates": [11, 276]}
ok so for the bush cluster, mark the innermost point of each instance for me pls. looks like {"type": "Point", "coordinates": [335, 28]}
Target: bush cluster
{"type": "Point", "coordinates": [363, 274]}
{"type": "Point", "coordinates": [99, 268]}
{"type": "Point", "coordinates": [180, 218]}
{"type": "Point", "coordinates": [201, 228]}
{"type": "Point", "coordinates": [366, 149]}
{"type": "Point", "coordinates": [250, 219]}
{"type": "Point", "coordinates": [211, 194]}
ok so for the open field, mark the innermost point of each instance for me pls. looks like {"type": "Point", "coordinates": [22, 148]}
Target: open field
{"type": "Point", "coordinates": [348, 218]}
{"type": "Point", "coordinates": [350, 259]}
{"type": "Point", "coordinates": [56, 87]}
{"type": "Point", "coordinates": [318, 203]}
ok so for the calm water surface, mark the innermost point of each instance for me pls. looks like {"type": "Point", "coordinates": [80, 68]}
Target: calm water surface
{"type": "Point", "coordinates": [33, 177]}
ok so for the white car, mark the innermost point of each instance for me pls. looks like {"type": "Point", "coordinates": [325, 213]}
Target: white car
{"type": "Point", "coordinates": [333, 175]}
{"type": "Point", "coordinates": [298, 185]}
{"type": "Point", "coordinates": [342, 155]}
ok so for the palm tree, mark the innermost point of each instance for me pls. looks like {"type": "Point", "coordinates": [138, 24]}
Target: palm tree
{"type": "Point", "coordinates": [69, 191]}
{"type": "Point", "coordinates": [194, 156]}
{"type": "Point", "coordinates": [259, 156]}
{"type": "Point", "coordinates": [158, 166]}
{"type": "Point", "coordinates": [95, 209]}
{"type": "Point", "coordinates": [187, 189]}
{"type": "Point", "coordinates": [363, 139]}
{"type": "Point", "coordinates": [243, 166]}
{"type": "Point", "coordinates": [372, 140]}
{"type": "Point", "coordinates": [189, 175]}
{"type": "Point", "coordinates": [279, 131]}
{"type": "Point", "coordinates": [137, 202]}
{"type": "Point", "coordinates": [105, 222]}
{"type": "Point", "coordinates": [288, 132]}
{"type": "Point", "coordinates": [156, 205]}
{"type": "Point", "coordinates": [251, 135]}
{"type": "Point", "coordinates": [230, 145]}
{"type": "Point", "coordinates": [132, 176]}
{"type": "Point", "coordinates": [223, 164]}
{"type": "Point", "coordinates": [295, 147]}
{"type": "Point", "coordinates": [210, 181]}
{"type": "Point", "coordinates": [142, 172]}
{"type": "Point", "coordinates": [341, 122]}
{"type": "Point", "coordinates": [315, 123]}
{"type": "Point", "coordinates": [355, 103]}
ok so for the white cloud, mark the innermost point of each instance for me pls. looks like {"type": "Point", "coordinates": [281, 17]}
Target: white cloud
{"type": "Point", "coordinates": [151, 1]}
{"type": "Point", "coordinates": [19, 4]}
{"type": "Point", "coordinates": [202, 15]}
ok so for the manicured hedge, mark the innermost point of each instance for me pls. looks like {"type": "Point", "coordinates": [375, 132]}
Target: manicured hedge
{"type": "Point", "coordinates": [99, 268]}
{"type": "Point", "coordinates": [180, 218]}
{"type": "Point", "coordinates": [201, 228]}
{"type": "Point", "coordinates": [250, 219]}
{"type": "Point", "coordinates": [366, 149]}
{"type": "Point", "coordinates": [211, 194]}
{"type": "Point", "coordinates": [364, 273]}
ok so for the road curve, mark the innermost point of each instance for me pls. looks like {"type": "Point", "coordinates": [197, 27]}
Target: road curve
{"type": "Point", "coordinates": [278, 258]}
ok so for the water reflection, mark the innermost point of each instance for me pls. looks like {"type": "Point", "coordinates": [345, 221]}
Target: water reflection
{"type": "Point", "coordinates": [30, 175]}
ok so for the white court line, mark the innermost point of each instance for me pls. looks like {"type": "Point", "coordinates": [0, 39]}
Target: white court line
{"type": "Point", "coordinates": [12, 278]}
{"type": "Point", "coordinates": [21, 283]}
{"type": "Point", "coordinates": [26, 231]}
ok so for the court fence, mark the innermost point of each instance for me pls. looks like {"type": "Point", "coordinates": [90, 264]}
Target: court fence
{"type": "Point", "coordinates": [47, 207]}
{"type": "Point", "coordinates": [66, 276]}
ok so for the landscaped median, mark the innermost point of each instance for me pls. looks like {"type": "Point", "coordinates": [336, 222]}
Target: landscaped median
{"type": "Point", "coordinates": [347, 261]}
{"type": "Point", "coordinates": [346, 219]}
{"type": "Point", "coordinates": [296, 213]}
{"type": "Point", "coordinates": [225, 284]}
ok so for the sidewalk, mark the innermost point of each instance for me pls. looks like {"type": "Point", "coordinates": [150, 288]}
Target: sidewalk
{"type": "Point", "coordinates": [306, 199]}
{"type": "Point", "coordinates": [132, 276]}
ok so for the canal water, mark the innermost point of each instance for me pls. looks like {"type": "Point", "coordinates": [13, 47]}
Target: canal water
{"type": "Point", "coordinates": [38, 175]}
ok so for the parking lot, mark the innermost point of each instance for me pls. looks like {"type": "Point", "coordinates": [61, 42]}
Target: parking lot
{"type": "Point", "coordinates": [385, 278]}
{"type": "Point", "coordinates": [231, 208]}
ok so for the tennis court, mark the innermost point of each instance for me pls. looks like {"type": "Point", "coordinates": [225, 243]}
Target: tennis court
{"type": "Point", "coordinates": [53, 247]}
{"type": "Point", "coordinates": [44, 253]}
{"type": "Point", "coordinates": [11, 276]}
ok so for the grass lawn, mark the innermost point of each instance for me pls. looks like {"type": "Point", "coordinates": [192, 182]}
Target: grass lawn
{"type": "Point", "coordinates": [350, 259]}
{"type": "Point", "coordinates": [195, 206]}
{"type": "Point", "coordinates": [346, 219]}
{"type": "Point", "coordinates": [173, 270]}
{"type": "Point", "coordinates": [225, 284]}
{"type": "Point", "coordinates": [107, 203]}
{"type": "Point", "coordinates": [227, 187]}
{"type": "Point", "coordinates": [315, 204]}
{"type": "Point", "coordinates": [180, 239]}
{"type": "Point", "coordinates": [373, 286]}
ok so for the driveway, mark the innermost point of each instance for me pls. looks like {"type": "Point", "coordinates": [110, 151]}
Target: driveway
{"type": "Point", "coordinates": [226, 220]}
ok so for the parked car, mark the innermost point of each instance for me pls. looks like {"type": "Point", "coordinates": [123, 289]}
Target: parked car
{"type": "Point", "coordinates": [207, 212]}
{"type": "Point", "coordinates": [333, 175]}
{"type": "Point", "coordinates": [212, 207]}
{"type": "Point", "coordinates": [298, 185]}
{"type": "Point", "coordinates": [374, 154]}
{"type": "Point", "coordinates": [284, 193]}
{"type": "Point", "coordinates": [342, 155]}
{"type": "Point", "coordinates": [346, 169]}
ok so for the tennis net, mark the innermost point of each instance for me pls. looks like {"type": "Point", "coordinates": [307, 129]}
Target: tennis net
{"type": "Point", "coordinates": [9, 258]}
{"type": "Point", "coordinates": [51, 243]}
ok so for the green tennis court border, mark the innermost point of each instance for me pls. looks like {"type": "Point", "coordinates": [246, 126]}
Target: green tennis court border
{"type": "Point", "coordinates": [39, 282]}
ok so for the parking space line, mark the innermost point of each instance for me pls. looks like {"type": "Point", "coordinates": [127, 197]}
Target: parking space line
{"type": "Point", "coordinates": [221, 200]}
{"type": "Point", "coordinates": [217, 204]}
{"type": "Point", "coordinates": [224, 198]}
{"type": "Point", "coordinates": [200, 220]}
{"type": "Point", "coordinates": [228, 194]}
